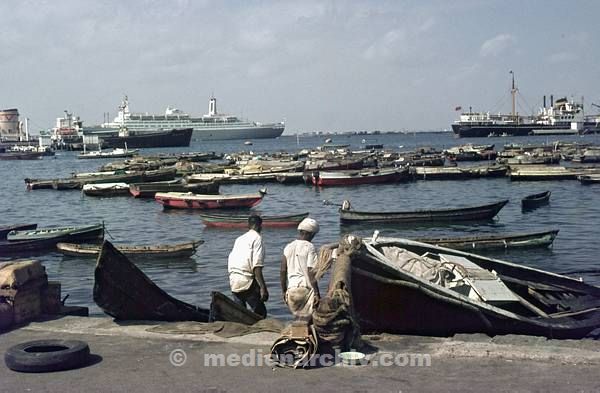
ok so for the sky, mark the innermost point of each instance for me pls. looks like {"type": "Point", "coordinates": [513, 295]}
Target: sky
{"type": "Point", "coordinates": [319, 65]}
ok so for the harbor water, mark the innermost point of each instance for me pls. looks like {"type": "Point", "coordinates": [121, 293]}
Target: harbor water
{"type": "Point", "coordinates": [573, 208]}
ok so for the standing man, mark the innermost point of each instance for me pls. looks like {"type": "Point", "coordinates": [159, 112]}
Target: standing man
{"type": "Point", "coordinates": [245, 264]}
{"type": "Point", "coordinates": [298, 282]}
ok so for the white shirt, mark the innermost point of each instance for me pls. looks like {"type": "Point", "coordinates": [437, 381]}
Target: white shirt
{"type": "Point", "coordinates": [300, 256]}
{"type": "Point", "coordinates": [247, 253]}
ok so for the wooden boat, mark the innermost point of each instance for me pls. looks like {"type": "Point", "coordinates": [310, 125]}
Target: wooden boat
{"type": "Point", "coordinates": [148, 190]}
{"type": "Point", "coordinates": [479, 295]}
{"type": "Point", "coordinates": [589, 179]}
{"type": "Point", "coordinates": [5, 229]}
{"type": "Point", "coordinates": [89, 232]}
{"type": "Point", "coordinates": [455, 173]}
{"type": "Point", "coordinates": [535, 200]}
{"type": "Point", "coordinates": [498, 241]}
{"type": "Point", "coordinates": [544, 173]}
{"type": "Point", "coordinates": [352, 178]}
{"type": "Point", "coordinates": [181, 250]}
{"type": "Point", "coordinates": [124, 292]}
{"type": "Point", "coordinates": [44, 244]}
{"type": "Point", "coordinates": [21, 155]}
{"type": "Point", "coordinates": [222, 308]}
{"type": "Point", "coordinates": [180, 200]}
{"type": "Point", "coordinates": [78, 180]}
{"type": "Point", "coordinates": [241, 220]}
{"type": "Point", "coordinates": [106, 189]}
{"type": "Point", "coordinates": [482, 212]}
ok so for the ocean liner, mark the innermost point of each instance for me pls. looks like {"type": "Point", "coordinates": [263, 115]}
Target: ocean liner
{"type": "Point", "coordinates": [561, 117]}
{"type": "Point", "coordinates": [211, 126]}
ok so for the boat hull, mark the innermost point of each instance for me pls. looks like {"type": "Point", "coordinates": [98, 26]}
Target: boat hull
{"type": "Point", "coordinates": [241, 221]}
{"type": "Point", "coordinates": [183, 250]}
{"type": "Point", "coordinates": [343, 179]}
{"type": "Point", "coordinates": [522, 240]}
{"type": "Point", "coordinates": [148, 190]}
{"type": "Point", "coordinates": [484, 212]}
{"type": "Point", "coordinates": [196, 202]}
{"type": "Point", "coordinates": [536, 200]}
{"type": "Point", "coordinates": [472, 131]}
{"type": "Point", "coordinates": [173, 138]}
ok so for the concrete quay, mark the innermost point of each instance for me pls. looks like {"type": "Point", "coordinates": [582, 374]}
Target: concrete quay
{"type": "Point", "coordinates": [196, 357]}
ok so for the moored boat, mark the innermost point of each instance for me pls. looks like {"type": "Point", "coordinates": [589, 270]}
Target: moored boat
{"type": "Point", "coordinates": [115, 153]}
{"type": "Point", "coordinates": [481, 212]}
{"type": "Point", "coordinates": [148, 190]}
{"type": "Point", "coordinates": [106, 189]}
{"type": "Point", "coordinates": [589, 179]}
{"type": "Point", "coordinates": [494, 241]}
{"type": "Point", "coordinates": [80, 233]}
{"type": "Point", "coordinates": [408, 287]}
{"type": "Point", "coordinates": [181, 250]}
{"type": "Point", "coordinates": [124, 292]}
{"type": "Point", "coordinates": [180, 200]}
{"type": "Point", "coordinates": [535, 200]}
{"type": "Point", "coordinates": [352, 178]}
{"type": "Point", "coordinates": [5, 229]}
{"type": "Point", "coordinates": [241, 220]}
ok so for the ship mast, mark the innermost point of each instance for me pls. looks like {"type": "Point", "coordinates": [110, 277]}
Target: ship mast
{"type": "Point", "coordinates": [513, 92]}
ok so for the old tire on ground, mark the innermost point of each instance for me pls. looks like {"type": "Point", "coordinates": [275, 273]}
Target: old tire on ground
{"type": "Point", "coordinates": [47, 355]}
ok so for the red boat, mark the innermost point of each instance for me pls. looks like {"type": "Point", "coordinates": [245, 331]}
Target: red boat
{"type": "Point", "coordinates": [351, 178]}
{"type": "Point", "coordinates": [188, 200]}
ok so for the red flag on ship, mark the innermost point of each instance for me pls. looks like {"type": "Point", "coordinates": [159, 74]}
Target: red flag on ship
{"type": "Point", "coordinates": [458, 108]}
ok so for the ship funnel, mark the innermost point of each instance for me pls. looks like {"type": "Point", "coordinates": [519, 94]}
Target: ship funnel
{"type": "Point", "coordinates": [551, 100]}
{"type": "Point", "coordinates": [544, 102]}
{"type": "Point", "coordinates": [212, 106]}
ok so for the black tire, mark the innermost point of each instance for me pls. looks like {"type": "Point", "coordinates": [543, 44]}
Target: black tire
{"type": "Point", "coordinates": [47, 355]}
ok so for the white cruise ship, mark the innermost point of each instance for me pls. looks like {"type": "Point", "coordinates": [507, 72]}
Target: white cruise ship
{"type": "Point", "coordinates": [212, 126]}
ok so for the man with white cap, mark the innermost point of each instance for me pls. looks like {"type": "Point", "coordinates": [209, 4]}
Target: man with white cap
{"type": "Point", "coordinates": [298, 282]}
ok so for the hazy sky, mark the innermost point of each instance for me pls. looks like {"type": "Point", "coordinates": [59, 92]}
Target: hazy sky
{"type": "Point", "coordinates": [321, 65]}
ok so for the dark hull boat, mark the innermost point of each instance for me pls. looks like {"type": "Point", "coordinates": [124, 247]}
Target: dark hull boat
{"type": "Point", "coordinates": [483, 212]}
{"type": "Point", "coordinates": [241, 220]}
{"type": "Point", "coordinates": [182, 250]}
{"type": "Point", "coordinates": [173, 138]}
{"type": "Point", "coordinates": [148, 190]}
{"type": "Point", "coordinates": [4, 230]}
{"type": "Point", "coordinates": [124, 292]}
{"type": "Point", "coordinates": [353, 178]}
{"type": "Point", "coordinates": [499, 241]}
{"type": "Point", "coordinates": [589, 179]}
{"type": "Point", "coordinates": [46, 244]}
{"type": "Point", "coordinates": [471, 294]}
{"type": "Point", "coordinates": [90, 232]}
{"type": "Point", "coordinates": [535, 200]}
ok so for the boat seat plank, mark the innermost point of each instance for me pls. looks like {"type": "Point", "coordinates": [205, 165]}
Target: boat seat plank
{"type": "Point", "coordinates": [484, 282]}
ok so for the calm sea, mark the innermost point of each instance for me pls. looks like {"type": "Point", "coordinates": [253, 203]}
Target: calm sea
{"type": "Point", "coordinates": [574, 209]}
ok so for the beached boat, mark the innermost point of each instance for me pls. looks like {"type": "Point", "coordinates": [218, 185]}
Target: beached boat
{"type": "Point", "coordinates": [535, 200]}
{"type": "Point", "coordinates": [106, 189]}
{"type": "Point", "coordinates": [352, 178]}
{"type": "Point", "coordinates": [148, 190]}
{"type": "Point", "coordinates": [5, 229]}
{"type": "Point", "coordinates": [222, 308]}
{"type": "Point", "coordinates": [241, 220]}
{"type": "Point", "coordinates": [180, 200]}
{"type": "Point", "coordinates": [482, 212]}
{"type": "Point", "coordinates": [496, 241]}
{"type": "Point", "coordinates": [181, 250]}
{"type": "Point", "coordinates": [89, 232]}
{"type": "Point", "coordinates": [458, 292]}
{"type": "Point", "coordinates": [124, 292]}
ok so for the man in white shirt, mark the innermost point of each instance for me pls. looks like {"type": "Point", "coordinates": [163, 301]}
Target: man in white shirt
{"type": "Point", "coordinates": [298, 282]}
{"type": "Point", "coordinates": [245, 264]}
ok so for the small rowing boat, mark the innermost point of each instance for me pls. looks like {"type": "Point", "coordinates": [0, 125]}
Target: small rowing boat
{"type": "Point", "coordinates": [180, 200]}
{"type": "Point", "coordinates": [106, 189]}
{"type": "Point", "coordinates": [181, 250]}
{"type": "Point", "coordinates": [535, 200]}
{"type": "Point", "coordinates": [241, 220]}
{"type": "Point", "coordinates": [352, 178]}
{"type": "Point", "coordinates": [89, 232]}
{"type": "Point", "coordinates": [149, 190]}
{"type": "Point", "coordinates": [4, 230]}
{"type": "Point", "coordinates": [482, 212]}
{"type": "Point", "coordinates": [498, 241]}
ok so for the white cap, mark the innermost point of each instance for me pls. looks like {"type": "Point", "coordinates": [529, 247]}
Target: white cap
{"type": "Point", "coordinates": [309, 225]}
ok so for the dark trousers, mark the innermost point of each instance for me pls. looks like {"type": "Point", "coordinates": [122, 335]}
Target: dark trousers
{"type": "Point", "coordinates": [252, 297]}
